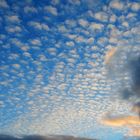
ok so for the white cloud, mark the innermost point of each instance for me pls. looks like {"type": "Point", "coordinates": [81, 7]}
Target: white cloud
{"type": "Point", "coordinates": [96, 26]}
{"type": "Point", "coordinates": [79, 39]}
{"type": "Point", "coordinates": [70, 23]}
{"type": "Point", "coordinates": [3, 4]}
{"type": "Point", "coordinates": [70, 43]}
{"type": "Point", "coordinates": [83, 22]}
{"type": "Point", "coordinates": [13, 29]}
{"type": "Point", "coordinates": [26, 54]}
{"type": "Point", "coordinates": [52, 51]}
{"type": "Point", "coordinates": [35, 42]}
{"type": "Point", "coordinates": [125, 24]}
{"type": "Point", "coordinates": [102, 16]}
{"type": "Point", "coordinates": [13, 19]}
{"type": "Point", "coordinates": [113, 18]}
{"type": "Point", "coordinates": [52, 10]}
{"type": "Point", "coordinates": [24, 47]}
{"type": "Point", "coordinates": [2, 104]}
{"type": "Point", "coordinates": [17, 66]}
{"type": "Point", "coordinates": [116, 4]}
{"type": "Point", "coordinates": [135, 6]}
{"type": "Point", "coordinates": [30, 9]}
{"type": "Point", "coordinates": [39, 26]}
{"type": "Point", "coordinates": [13, 56]}
{"type": "Point", "coordinates": [90, 40]}
{"type": "Point", "coordinates": [62, 28]}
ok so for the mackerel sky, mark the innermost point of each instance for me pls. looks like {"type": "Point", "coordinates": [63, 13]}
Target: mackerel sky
{"type": "Point", "coordinates": [62, 63]}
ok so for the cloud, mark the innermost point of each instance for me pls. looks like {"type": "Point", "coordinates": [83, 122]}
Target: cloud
{"type": "Point", "coordinates": [136, 108]}
{"type": "Point", "coordinates": [135, 6]}
{"type": "Point", "coordinates": [3, 4]}
{"type": "Point", "coordinates": [116, 4]}
{"type": "Point", "coordinates": [96, 26]}
{"type": "Point", "coordinates": [121, 121]}
{"type": "Point", "coordinates": [13, 29]}
{"type": "Point", "coordinates": [83, 22]}
{"type": "Point", "coordinates": [135, 132]}
{"type": "Point", "coordinates": [13, 19]}
{"type": "Point", "coordinates": [121, 63]}
{"type": "Point", "coordinates": [110, 53]}
{"type": "Point", "coordinates": [134, 68]}
{"type": "Point", "coordinates": [30, 9]}
{"type": "Point", "coordinates": [38, 25]}
{"type": "Point", "coordinates": [102, 16]}
{"type": "Point", "coordinates": [52, 10]}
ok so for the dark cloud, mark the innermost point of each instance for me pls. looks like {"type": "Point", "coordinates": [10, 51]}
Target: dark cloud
{"type": "Point", "coordinates": [136, 108]}
{"type": "Point", "coordinates": [134, 68]}
{"type": "Point", "coordinates": [119, 63]}
{"type": "Point", "coordinates": [38, 137]}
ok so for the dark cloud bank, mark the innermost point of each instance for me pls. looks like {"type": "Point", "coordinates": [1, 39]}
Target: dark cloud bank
{"type": "Point", "coordinates": [134, 91]}
{"type": "Point", "coordinates": [131, 65]}
{"type": "Point", "coordinates": [38, 137]}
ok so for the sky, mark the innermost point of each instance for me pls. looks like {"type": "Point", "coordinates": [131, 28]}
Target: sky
{"type": "Point", "coordinates": [70, 67]}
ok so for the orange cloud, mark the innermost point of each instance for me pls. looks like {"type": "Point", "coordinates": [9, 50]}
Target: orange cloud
{"type": "Point", "coordinates": [135, 132]}
{"type": "Point", "coordinates": [110, 54]}
{"type": "Point", "coordinates": [121, 121]}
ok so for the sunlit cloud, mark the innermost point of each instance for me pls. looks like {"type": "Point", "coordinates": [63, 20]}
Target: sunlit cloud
{"type": "Point", "coordinates": [122, 121]}
{"type": "Point", "coordinates": [109, 54]}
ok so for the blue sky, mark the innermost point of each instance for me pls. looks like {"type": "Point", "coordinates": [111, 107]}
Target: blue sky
{"type": "Point", "coordinates": [62, 63]}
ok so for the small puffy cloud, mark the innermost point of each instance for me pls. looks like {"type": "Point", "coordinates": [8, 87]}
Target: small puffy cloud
{"type": "Point", "coordinates": [38, 25]}
{"type": "Point", "coordinates": [35, 42]}
{"type": "Point", "coordinates": [13, 29]}
{"type": "Point", "coordinates": [80, 39]}
{"type": "Point", "coordinates": [113, 18]}
{"type": "Point", "coordinates": [30, 9]}
{"type": "Point", "coordinates": [70, 43]}
{"type": "Point", "coordinates": [2, 104]}
{"type": "Point", "coordinates": [116, 4]}
{"type": "Point", "coordinates": [52, 51]}
{"type": "Point", "coordinates": [3, 4]}
{"type": "Point", "coordinates": [52, 10]}
{"type": "Point", "coordinates": [125, 24]}
{"type": "Point", "coordinates": [102, 16]}
{"type": "Point", "coordinates": [16, 66]}
{"type": "Point", "coordinates": [110, 54]}
{"type": "Point", "coordinates": [83, 23]}
{"type": "Point", "coordinates": [135, 6]}
{"type": "Point", "coordinates": [13, 19]}
{"type": "Point", "coordinates": [62, 29]}
{"type": "Point", "coordinates": [96, 26]}
{"type": "Point", "coordinates": [70, 23]}
{"type": "Point", "coordinates": [90, 40]}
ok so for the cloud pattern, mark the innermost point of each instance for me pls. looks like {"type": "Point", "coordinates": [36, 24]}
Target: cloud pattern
{"type": "Point", "coordinates": [54, 78]}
